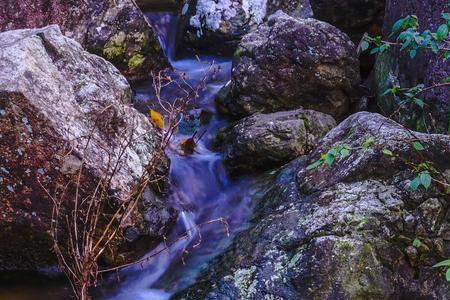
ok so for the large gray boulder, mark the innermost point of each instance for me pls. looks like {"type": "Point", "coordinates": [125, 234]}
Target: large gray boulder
{"type": "Point", "coordinates": [60, 107]}
{"type": "Point", "coordinates": [218, 26]}
{"type": "Point", "coordinates": [395, 67]}
{"type": "Point", "coordinates": [290, 63]}
{"type": "Point", "coordinates": [116, 30]}
{"type": "Point", "coordinates": [355, 230]}
{"type": "Point", "coordinates": [266, 141]}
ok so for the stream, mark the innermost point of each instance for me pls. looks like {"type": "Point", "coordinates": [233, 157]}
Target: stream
{"type": "Point", "coordinates": [201, 189]}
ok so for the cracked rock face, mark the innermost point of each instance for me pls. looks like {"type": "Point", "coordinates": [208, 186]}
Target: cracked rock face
{"type": "Point", "coordinates": [334, 233]}
{"type": "Point", "coordinates": [290, 63]}
{"type": "Point", "coordinates": [116, 30]}
{"type": "Point", "coordinates": [266, 141]}
{"type": "Point", "coordinates": [204, 23]}
{"type": "Point", "coordinates": [59, 106]}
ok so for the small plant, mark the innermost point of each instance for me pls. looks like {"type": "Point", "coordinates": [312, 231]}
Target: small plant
{"type": "Point", "coordinates": [340, 151]}
{"type": "Point", "coordinates": [446, 265]}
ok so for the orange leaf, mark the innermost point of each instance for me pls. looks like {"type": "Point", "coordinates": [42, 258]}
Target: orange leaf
{"type": "Point", "coordinates": [157, 119]}
{"type": "Point", "coordinates": [188, 146]}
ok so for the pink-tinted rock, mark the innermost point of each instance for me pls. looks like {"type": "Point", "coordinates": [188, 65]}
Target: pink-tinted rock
{"type": "Point", "coordinates": [116, 29]}
{"type": "Point", "coordinates": [218, 26]}
{"type": "Point", "coordinates": [290, 63]}
{"type": "Point", "coordinates": [61, 106]}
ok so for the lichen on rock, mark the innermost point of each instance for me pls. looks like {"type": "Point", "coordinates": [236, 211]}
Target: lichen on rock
{"type": "Point", "coordinates": [62, 108]}
{"type": "Point", "coordinates": [344, 231]}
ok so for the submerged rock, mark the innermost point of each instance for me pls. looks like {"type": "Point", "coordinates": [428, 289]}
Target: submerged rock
{"type": "Point", "coordinates": [266, 141]}
{"type": "Point", "coordinates": [218, 26]}
{"type": "Point", "coordinates": [116, 30]}
{"type": "Point", "coordinates": [351, 230]}
{"type": "Point", "coordinates": [395, 67]}
{"type": "Point", "coordinates": [61, 107]}
{"type": "Point", "coordinates": [290, 63]}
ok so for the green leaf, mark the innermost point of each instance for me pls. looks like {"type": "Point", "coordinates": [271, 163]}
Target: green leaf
{"type": "Point", "coordinates": [315, 165]}
{"type": "Point", "coordinates": [444, 263]}
{"type": "Point", "coordinates": [397, 25]}
{"type": "Point", "coordinates": [388, 152]}
{"type": "Point", "coordinates": [447, 275]}
{"type": "Point", "coordinates": [446, 54]}
{"type": "Point", "coordinates": [419, 102]}
{"type": "Point", "coordinates": [345, 152]}
{"type": "Point", "coordinates": [374, 50]}
{"type": "Point", "coordinates": [368, 143]}
{"type": "Point", "coordinates": [412, 53]}
{"type": "Point", "coordinates": [418, 146]}
{"type": "Point", "coordinates": [425, 179]}
{"type": "Point", "coordinates": [415, 183]}
{"type": "Point", "coordinates": [386, 92]}
{"type": "Point", "coordinates": [329, 159]}
{"type": "Point", "coordinates": [364, 45]}
{"type": "Point", "coordinates": [417, 243]}
{"type": "Point", "coordinates": [446, 16]}
{"type": "Point", "coordinates": [442, 32]}
{"type": "Point", "coordinates": [384, 47]}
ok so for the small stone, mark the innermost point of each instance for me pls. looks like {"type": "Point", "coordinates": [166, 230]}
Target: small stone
{"type": "Point", "coordinates": [412, 254]}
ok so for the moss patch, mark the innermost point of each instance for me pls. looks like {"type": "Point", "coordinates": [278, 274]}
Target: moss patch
{"type": "Point", "coordinates": [115, 48]}
{"type": "Point", "coordinates": [136, 61]}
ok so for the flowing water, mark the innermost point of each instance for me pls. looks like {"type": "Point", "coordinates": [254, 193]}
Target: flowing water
{"type": "Point", "coordinates": [201, 189]}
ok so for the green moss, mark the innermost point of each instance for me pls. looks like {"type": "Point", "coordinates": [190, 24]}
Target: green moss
{"type": "Point", "coordinates": [141, 39]}
{"type": "Point", "coordinates": [116, 46]}
{"type": "Point", "coordinates": [136, 61]}
{"type": "Point", "coordinates": [306, 122]}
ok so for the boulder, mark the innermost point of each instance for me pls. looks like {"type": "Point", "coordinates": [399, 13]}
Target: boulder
{"type": "Point", "coordinates": [397, 68]}
{"type": "Point", "coordinates": [218, 26]}
{"type": "Point", "coordinates": [354, 17]}
{"type": "Point", "coordinates": [61, 108]}
{"type": "Point", "coordinates": [290, 63]}
{"type": "Point", "coordinates": [266, 141]}
{"type": "Point", "coordinates": [351, 230]}
{"type": "Point", "coordinates": [116, 30]}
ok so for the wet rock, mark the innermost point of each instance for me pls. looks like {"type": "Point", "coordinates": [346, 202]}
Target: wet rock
{"type": "Point", "coordinates": [156, 216]}
{"type": "Point", "coordinates": [61, 107]}
{"type": "Point", "coordinates": [354, 17]}
{"type": "Point", "coordinates": [290, 63]}
{"type": "Point", "coordinates": [218, 26]}
{"type": "Point", "coordinates": [116, 30]}
{"type": "Point", "coordinates": [266, 141]}
{"type": "Point", "coordinates": [336, 232]}
{"type": "Point", "coordinates": [395, 67]}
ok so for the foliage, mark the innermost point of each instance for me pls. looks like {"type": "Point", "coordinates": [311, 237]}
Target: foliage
{"type": "Point", "coordinates": [156, 118]}
{"type": "Point", "coordinates": [444, 264]}
{"type": "Point", "coordinates": [411, 39]}
{"type": "Point", "coordinates": [340, 151]}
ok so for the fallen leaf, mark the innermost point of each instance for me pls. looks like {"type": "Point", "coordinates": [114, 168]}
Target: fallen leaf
{"type": "Point", "coordinates": [188, 146]}
{"type": "Point", "coordinates": [157, 119]}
